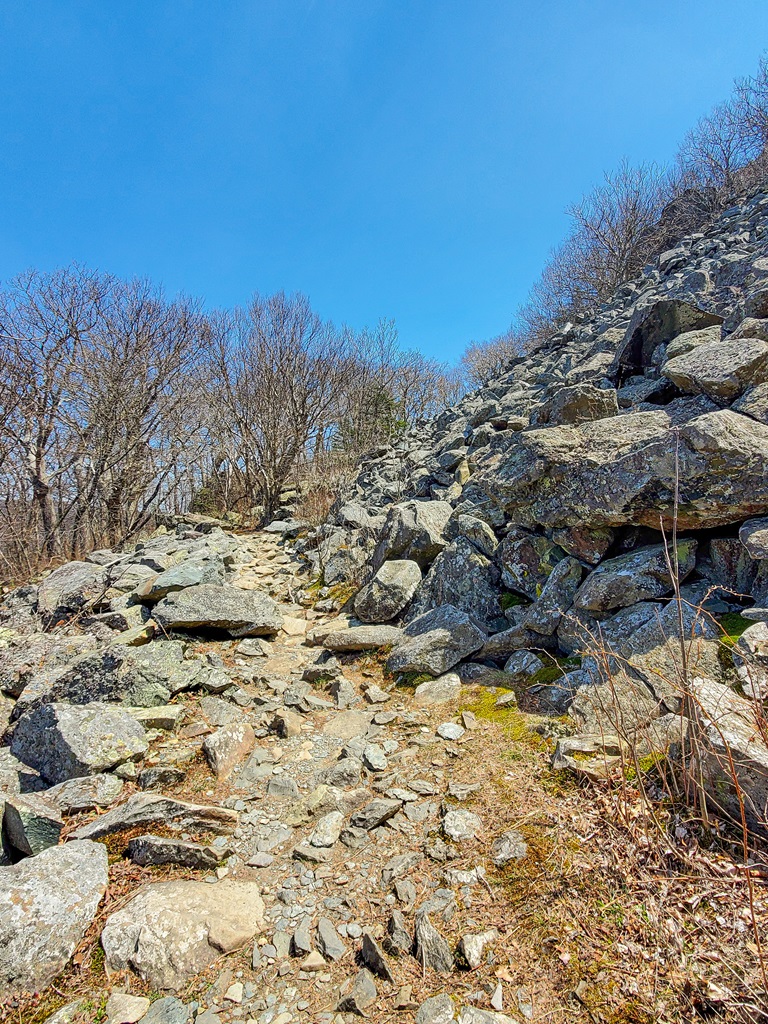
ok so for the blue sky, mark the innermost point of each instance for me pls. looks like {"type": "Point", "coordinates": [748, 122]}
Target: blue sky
{"type": "Point", "coordinates": [388, 158]}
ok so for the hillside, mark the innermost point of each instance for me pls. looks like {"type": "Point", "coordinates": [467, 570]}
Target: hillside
{"type": "Point", "coordinates": [489, 744]}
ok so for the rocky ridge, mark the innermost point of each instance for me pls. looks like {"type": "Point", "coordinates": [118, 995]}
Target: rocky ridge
{"type": "Point", "coordinates": [251, 764]}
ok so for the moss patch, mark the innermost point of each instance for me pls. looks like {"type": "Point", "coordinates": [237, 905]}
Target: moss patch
{"type": "Point", "coordinates": [511, 600]}
{"type": "Point", "coordinates": [733, 625]}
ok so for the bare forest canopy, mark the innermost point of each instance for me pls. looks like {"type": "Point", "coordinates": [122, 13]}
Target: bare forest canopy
{"type": "Point", "coordinates": [117, 402]}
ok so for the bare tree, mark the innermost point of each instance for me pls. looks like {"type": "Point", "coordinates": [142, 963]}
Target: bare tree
{"type": "Point", "coordinates": [484, 360]}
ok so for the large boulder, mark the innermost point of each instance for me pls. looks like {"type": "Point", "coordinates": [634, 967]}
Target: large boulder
{"type": "Point", "coordinates": [413, 530]}
{"type": "Point", "coordinates": [465, 578]}
{"type": "Point", "coordinates": [577, 404]}
{"type": "Point", "coordinates": [436, 641]}
{"type": "Point", "coordinates": [69, 588]}
{"type": "Point", "coordinates": [732, 753]}
{"type": "Point", "coordinates": [636, 576]}
{"type": "Point", "coordinates": [388, 593]}
{"type": "Point", "coordinates": [171, 931]}
{"type": "Point", "coordinates": [144, 676]}
{"type": "Point", "coordinates": [227, 609]}
{"type": "Point", "coordinates": [722, 370]}
{"type": "Point", "coordinates": [556, 597]}
{"type": "Point", "coordinates": [46, 904]}
{"type": "Point", "coordinates": [27, 655]}
{"type": "Point", "coordinates": [621, 471]}
{"type": "Point", "coordinates": [64, 741]}
{"type": "Point", "coordinates": [526, 561]}
{"type": "Point", "coordinates": [189, 573]}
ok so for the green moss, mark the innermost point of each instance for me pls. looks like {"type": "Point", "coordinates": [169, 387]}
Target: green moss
{"type": "Point", "coordinates": [510, 600]}
{"type": "Point", "coordinates": [515, 725]}
{"type": "Point", "coordinates": [733, 625]}
{"type": "Point", "coordinates": [410, 680]}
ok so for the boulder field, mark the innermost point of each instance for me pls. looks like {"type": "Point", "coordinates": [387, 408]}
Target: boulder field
{"type": "Point", "coordinates": [245, 766]}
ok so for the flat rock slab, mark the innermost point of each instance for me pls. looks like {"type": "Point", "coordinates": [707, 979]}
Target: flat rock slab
{"type": "Point", "coordinates": [31, 824]}
{"type": "Point", "coordinates": [236, 612]}
{"type": "Point", "coordinates": [362, 638]}
{"type": "Point", "coordinates": [345, 725]}
{"type": "Point", "coordinates": [78, 795]}
{"type": "Point", "coordinates": [148, 808]}
{"type": "Point", "coordinates": [171, 931]}
{"type": "Point", "coordinates": [148, 849]}
{"type": "Point", "coordinates": [64, 741]}
{"type": "Point", "coordinates": [46, 904]}
{"type": "Point", "coordinates": [438, 691]}
{"type": "Point", "coordinates": [228, 746]}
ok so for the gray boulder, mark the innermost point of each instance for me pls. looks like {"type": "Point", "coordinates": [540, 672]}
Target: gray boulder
{"type": "Point", "coordinates": [69, 588]}
{"type": "Point", "coordinates": [151, 850]}
{"type": "Point", "coordinates": [150, 808]}
{"type": "Point", "coordinates": [171, 931]}
{"type": "Point", "coordinates": [85, 794]}
{"type": "Point", "coordinates": [463, 577]}
{"type": "Point", "coordinates": [577, 404]}
{"type": "Point", "coordinates": [414, 530]}
{"type": "Point", "coordinates": [64, 741]}
{"type": "Point", "coordinates": [190, 573]}
{"type": "Point", "coordinates": [436, 641]}
{"type": "Point", "coordinates": [721, 370]}
{"type": "Point", "coordinates": [388, 592]}
{"type": "Point", "coordinates": [236, 612]}
{"type": "Point", "coordinates": [621, 471]}
{"type": "Point", "coordinates": [31, 824]}
{"type": "Point", "coordinates": [754, 536]}
{"type": "Point", "coordinates": [750, 656]}
{"type": "Point", "coordinates": [228, 746]}
{"type": "Point", "coordinates": [754, 403]}
{"type": "Point", "coordinates": [556, 597]}
{"type": "Point", "coordinates": [46, 904]}
{"type": "Point", "coordinates": [637, 576]}
{"type": "Point", "coordinates": [527, 560]}
{"type": "Point", "coordinates": [362, 638]}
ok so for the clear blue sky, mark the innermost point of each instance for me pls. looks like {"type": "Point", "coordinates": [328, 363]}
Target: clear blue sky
{"type": "Point", "coordinates": [399, 158]}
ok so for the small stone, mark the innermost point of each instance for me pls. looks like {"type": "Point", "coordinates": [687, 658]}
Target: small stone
{"type": "Point", "coordinates": [508, 846]}
{"type": "Point", "coordinates": [450, 731]}
{"type": "Point", "coordinates": [431, 948]}
{"type": "Point", "coordinates": [461, 825]}
{"type": "Point", "coordinates": [472, 946]}
{"type": "Point", "coordinates": [373, 957]}
{"type": "Point", "coordinates": [234, 993]}
{"type": "Point", "coordinates": [375, 695]}
{"type": "Point", "coordinates": [122, 1008]}
{"type": "Point", "coordinates": [358, 994]}
{"type": "Point", "coordinates": [327, 830]}
{"type": "Point", "coordinates": [260, 860]}
{"type": "Point", "coordinates": [374, 758]}
{"type": "Point", "coordinates": [437, 1010]}
{"type": "Point", "coordinates": [167, 1010]}
{"type": "Point", "coordinates": [313, 963]}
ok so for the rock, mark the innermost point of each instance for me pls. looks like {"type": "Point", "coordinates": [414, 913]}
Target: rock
{"type": "Point", "coordinates": [69, 588]}
{"type": "Point", "coordinates": [435, 642]}
{"type": "Point", "coordinates": [362, 638]}
{"type": "Point", "coordinates": [329, 941]}
{"type": "Point", "coordinates": [139, 677]}
{"type": "Point", "coordinates": [344, 773]}
{"type": "Point", "coordinates": [286, 723]}
{"type": "Point", "coordinates": [438, 691]}
{"type": "Point", "coordinates": [689, 340]}
{"type": "Point", "coordinates": [85, 794]}
{"type": "Point", "coordinates": [375, 813]}
{"type": "Point", "coordinates": [189, 573]}
{"type": "Point", "coordinates": [374, 758]}
{"type": "Point", "coordinates": [754, 403]}
{"type": "Point", "coordinates": [556, 597]}
{"type": "Point", "coordinates": [477, 531]}
{"type": "Point", "coordinates": [466, 579]}
{"type": "Point", "coordinates": [314, 962]}
{"type": "Point", "coordinates": [432, 951]}
{"type": "Point", "coordinates": [730, 743]}
{"type": "Point", "coordinates": [346, 725]}
{"type": "Point", "coordinates": [150, 808]}
{"type": "Point", "coordinates": [721, 370]}
{"type": "Point", "coordinates": [122, 1008]}
{"type": "Point", "coordinates": [472, 947]}
{"type": "Point", "coordinates": [750, 656]}
{"type": "Point", "coordinates": [46, 904]}
{"type": "Point", "coordinates": [509, 846]}
{"type": "Point", "coordinates": [24, 657]}
{"type": "Point", "coordinates": [577, 404]}
{"type": "Point", "coordinates": [450, 731]}
{"type": "Point", "coordinates": [399, 865]}
{"type": "Point", "coordinates": [151, 850]}
{"type": "Point", "coordinates": [474, 1015]}
{"type": "Point", "coordinates": [388, 592]}
{"type": "Point", "coordinates": [584, 544]}
{"type": "Point", "coordinates": [166, 1010]}
{"type": "Point", "coordinates": [521, 667]}
{"type": "Point", "coordinates": [621, 472]}
{"type": "Point", "coordinates": [754, 536]}
{"type": "Point", "coordinates": [171, 931]}
{"type": "Point", "coordinates": [637, 576]}
{"type": "Point", "coordinates": [399, 940]}
{"type": "Point", "coordinates": [161, 777]}
{"type": "Point", "coordinates": [413, 530]}
{"type": "Point", "coordinates": [527, 561]}
{"type": "Point", "coordinates": [237, 612]}
{"type": "Point", "coordinates": [64, 741]}
{"type": "Point", "coordinates": [31, 824]}
{"type": "Point", "coordinates": [461, 825]}
{"type": "Point", "coordinates": [228, 746]}
{"type": "Point", "coordinates": [436, 1010]}
{"type": "Point", "coordinates": [374, 959]}
{"type": "Point", "coordinates": [358, 994]}
{"type": "Point", "coordinates": [327, 830]}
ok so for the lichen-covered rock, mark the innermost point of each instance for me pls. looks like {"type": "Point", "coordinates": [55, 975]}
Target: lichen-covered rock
{"type": "Point", "coordinates": [527, 560]}
{"type": "Point", "coordinates": [636, 576]}
{"type": "Point", "coordinates": [389, 592]}
{"type": "Point", "coordinates": [228, 609]}
{"type": "Point", "coordinates": [64, 741]}
{"type": "Point", "coordinates": [70, 587]}
{"type": "Point", "coordinates": [413, 530]}
{"type": "Point", "coordinates": [171, 931]}
{"type": "Point", "coordinates": [46, 904]}
{"type": "Point", "coordinates": [465, 578]}
{"type": "Point", "coordinates": [362, 638]}
{"type": "Point", "coordinates": [228, 746]}
{"type": "Point", "coordinates": [435, 642]}
{"type": "Point", "coordinates": [556, 597]}
{"type": "Point", "coordinates": [722, 370]}
{"type": "Point", "coordinates": [31, 824]}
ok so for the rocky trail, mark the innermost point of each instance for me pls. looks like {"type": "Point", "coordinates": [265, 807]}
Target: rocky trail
{"type": "Point", "coordinates": [489, 744]}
